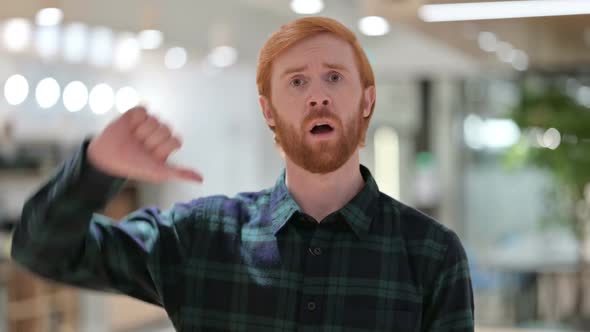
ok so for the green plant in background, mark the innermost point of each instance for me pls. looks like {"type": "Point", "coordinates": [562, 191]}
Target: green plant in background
{"type": "Point", "coordinates": [556, 137]}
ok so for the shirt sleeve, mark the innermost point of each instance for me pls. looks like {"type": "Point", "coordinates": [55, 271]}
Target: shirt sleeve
{"type": "Point", "coordinates": [62, 237]}
{"type": "Point", "coordinates": [449, 306]}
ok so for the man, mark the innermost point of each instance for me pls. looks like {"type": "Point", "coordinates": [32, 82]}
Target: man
{"type": "Point", "coordinates": [322, 250]}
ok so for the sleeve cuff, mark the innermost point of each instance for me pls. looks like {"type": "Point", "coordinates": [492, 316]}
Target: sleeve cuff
{"type": "Point", "coordinates": [90, 183]}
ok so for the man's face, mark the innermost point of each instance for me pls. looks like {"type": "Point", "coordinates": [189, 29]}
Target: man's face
{"type": "Point", "coordinates": [318, 104]}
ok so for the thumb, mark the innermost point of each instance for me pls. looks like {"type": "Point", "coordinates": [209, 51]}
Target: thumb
{"type": "Point", "coordinates": [183, 173]}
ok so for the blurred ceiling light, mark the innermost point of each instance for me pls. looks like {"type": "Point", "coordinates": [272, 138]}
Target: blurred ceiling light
{"type": "Point", "coordinates": [520, 61]}
{"type": "Point", "coordinates": [500, 133]}
{"type": "Point", "coordinates": [75, 42]}
{"type": "Point", "coordinates": [49, 17]}
{"type": "Point", "coordinates": [487, 41]}
{"type": "Point", "coordinates": [471, 129]}
{"type": "Point", "coordinates": [126, 98]}
{"type": "Point", "coordinates": [102, 99]}
{"type": "Point", "coordinates": [551, 139]}
{"type": "Point", "coordinates": [47, 41]}
{"type": "Point", "coordinates": [583, 96]}
{"type": "Point", "coordinates": [17, 34]}
{"type": "Point", "coordinates": [373, 26]}
{"type": "Point", "coordinates": [535, 137]}
{"type": "Point", "coordinates": [505, 52]}
{"type": "Point", "coordinates": [501, 9]}
{"type": "Point", "coordinates": [101, 46]}
{"type": "Point", "coordinates": [47, 92]}
{"type": "Point", "coordinates": [223, 56]}
{"type": "Point", "coordinates": [16, 89]}
{"type": "Point", "coordinates": [75, 96]}
{"type": "Point", "coordinates": [127, 52]}
{"type": "Point", "coordinates": [175, 58]}
{"type": "Point", "coordinates": [490, 133]}
{"type": "Point", "coordinates": [307, 6]}
{"type": "Point", "coordinates": [150, 39]}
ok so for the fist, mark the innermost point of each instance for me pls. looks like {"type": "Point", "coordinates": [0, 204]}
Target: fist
{"type": "Point", "coordinates": [136, 146]}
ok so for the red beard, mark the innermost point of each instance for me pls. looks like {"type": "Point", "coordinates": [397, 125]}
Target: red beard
{"type": "Point", "coordinates": [319, 156]}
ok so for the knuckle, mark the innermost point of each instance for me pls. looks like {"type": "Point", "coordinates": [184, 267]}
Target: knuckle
{"type": "Point", "coordinates": [165, 131]}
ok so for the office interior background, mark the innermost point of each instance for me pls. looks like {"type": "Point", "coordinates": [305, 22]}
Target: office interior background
{"type": "Point", "coordinates": [482, 121]}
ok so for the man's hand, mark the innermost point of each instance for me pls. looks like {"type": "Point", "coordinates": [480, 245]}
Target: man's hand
{"type": "Point", "coordinates": [136, 146]}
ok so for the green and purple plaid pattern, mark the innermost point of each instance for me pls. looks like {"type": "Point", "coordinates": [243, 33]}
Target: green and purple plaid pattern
{"type": "Point", "coordinates": [253, 262]}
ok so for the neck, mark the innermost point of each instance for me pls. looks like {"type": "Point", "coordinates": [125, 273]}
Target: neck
{"type": "Point", "coordinates": [318, 195]}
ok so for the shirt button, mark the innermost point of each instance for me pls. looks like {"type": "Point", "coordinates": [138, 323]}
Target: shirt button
{"type": "Point", "coordinates": [315, 251]}
{"type": "Point", "coordinates": [311, 306]}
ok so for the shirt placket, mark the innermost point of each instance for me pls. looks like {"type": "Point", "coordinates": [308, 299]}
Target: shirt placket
{"type": "Point", "coordinates": [316, 266]}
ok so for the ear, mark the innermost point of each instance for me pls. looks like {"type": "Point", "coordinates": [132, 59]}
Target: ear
{"type": "Point", "coordinates": [369, 100]}
{"type": "Point", "coordinates": [265, 105]}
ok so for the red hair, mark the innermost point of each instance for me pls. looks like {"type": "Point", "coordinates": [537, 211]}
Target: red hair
{"type": "Point", "coordinates": [297, 30]}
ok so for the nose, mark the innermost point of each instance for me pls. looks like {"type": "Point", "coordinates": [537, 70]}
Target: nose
{"type": "Point", "coordinates": [318, 95]}
{"type": "Point", "coordinates": [314, 102]}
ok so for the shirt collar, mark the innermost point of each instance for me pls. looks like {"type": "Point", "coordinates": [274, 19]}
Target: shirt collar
{"type": "Point", "coordinates": [358, 212]}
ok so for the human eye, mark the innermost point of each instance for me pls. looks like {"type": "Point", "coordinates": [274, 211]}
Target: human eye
{"type": "Point", "coordinates": [297, 81]}
{"type": "Point", "coordinates": [334, 77]}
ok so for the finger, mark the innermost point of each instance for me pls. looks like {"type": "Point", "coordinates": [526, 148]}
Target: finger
{"type": "Point", "coordinates": [135, 116]}
{"type": "Point", "coordinates": [146, 128]}
{"type": "Point", "coordinates": [163, 151]}
{"type": "Point", "coordinates": [182, 173]}
{"type": "Point", "coordinates": [159, 136]}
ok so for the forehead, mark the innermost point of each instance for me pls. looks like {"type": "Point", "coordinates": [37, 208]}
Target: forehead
{"type": "Point", "coordinates": [321, 48]}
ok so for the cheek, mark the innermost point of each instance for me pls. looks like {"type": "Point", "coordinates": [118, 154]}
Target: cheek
{"type": "Point", "coordinates": [348, 103]}
{"type": "Point", "coordinates": [289, 107]}
{"type": "Point", "coordinates": [288, 114]}
{"type": "Point", "coordinates": [294, 100]}
{"type": "Point", "coordinates": [345, 97]}
{"type": "Point", "coordinates": [286, 98]}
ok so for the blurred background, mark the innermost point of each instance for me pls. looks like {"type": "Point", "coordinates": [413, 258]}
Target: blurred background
{"type": "Point", "coordinates": [482, 121]}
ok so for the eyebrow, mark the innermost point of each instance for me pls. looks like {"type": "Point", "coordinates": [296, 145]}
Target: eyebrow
{"type": "Point", "coordinates": [335, 66]}
{"type": "Point", "coordinates": [293, 70]}
{"type": "Point", "coordinates": [302, 68]}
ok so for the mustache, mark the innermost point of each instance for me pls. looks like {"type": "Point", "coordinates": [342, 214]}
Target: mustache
{"type": "Point", "coordinates": [322, 113]}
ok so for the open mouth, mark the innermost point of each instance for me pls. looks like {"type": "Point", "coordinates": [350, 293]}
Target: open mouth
{"type": "Point", "coordinates": [321, 129]}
